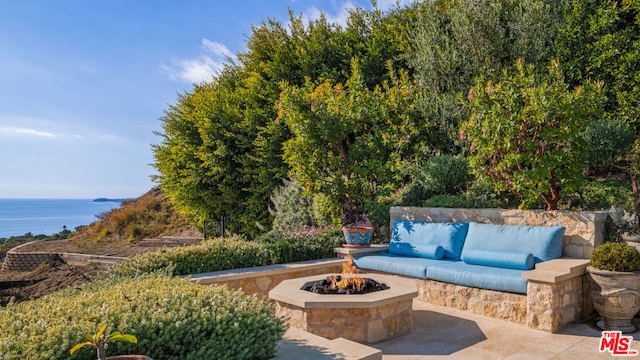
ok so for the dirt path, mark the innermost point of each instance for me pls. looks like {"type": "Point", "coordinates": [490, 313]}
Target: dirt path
{"type": "Point", "coordinates": [47, 278]}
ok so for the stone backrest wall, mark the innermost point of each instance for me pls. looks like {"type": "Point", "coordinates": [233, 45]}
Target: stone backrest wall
{"type": "Point", "coordinates": [584, 229]}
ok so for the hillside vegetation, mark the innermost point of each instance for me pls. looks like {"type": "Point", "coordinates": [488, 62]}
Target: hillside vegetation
{"type": "Point", "coordinates": [116, 232]}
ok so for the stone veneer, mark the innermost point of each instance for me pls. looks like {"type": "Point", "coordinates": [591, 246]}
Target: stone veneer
{"type": "Point", "coordinates": [496, 304]}
{"type": "Point", "coordinates": [583, 229]}
{"type": "Point", "coordinates": [365, 318]}
{"type": "Point", "coordinates": [262, 279]}
{"type": "Point", "coordinates": [551, 306]}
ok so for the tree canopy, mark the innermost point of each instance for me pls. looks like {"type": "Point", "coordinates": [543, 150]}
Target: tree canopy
{"type": "Point", "coordinates": [347, 111]}
{"type": "Point", "coordinates": [525, 132]}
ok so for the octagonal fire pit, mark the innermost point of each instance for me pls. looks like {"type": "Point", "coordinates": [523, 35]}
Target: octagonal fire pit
{"type": "Point", "coordinates": [363, 317]}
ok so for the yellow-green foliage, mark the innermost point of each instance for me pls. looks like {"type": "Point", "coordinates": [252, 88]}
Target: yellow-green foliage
{"type": "Point", "coordinates": [171, 318]}
{"type": "Point", "coordinates": [211, 255]}
{"type": "Point", "coordinates": [615, 256]}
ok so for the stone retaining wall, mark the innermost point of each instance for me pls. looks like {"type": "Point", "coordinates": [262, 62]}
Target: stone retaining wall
{"type": "Point", "coordinates": [584, 229]}
{"type": "Point", "coordinates": [27, 261]}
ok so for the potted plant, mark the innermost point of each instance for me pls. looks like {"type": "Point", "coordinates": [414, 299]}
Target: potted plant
{"type": "Point", "coordinates": [356, 226]}
{"type": "Point", "coordinates": [614, 271]}
{"type": "Point", "coordinates": [99, 341]}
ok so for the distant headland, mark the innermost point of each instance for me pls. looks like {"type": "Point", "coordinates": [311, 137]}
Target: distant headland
{"type": "Point", "coordinates": [108, 200]}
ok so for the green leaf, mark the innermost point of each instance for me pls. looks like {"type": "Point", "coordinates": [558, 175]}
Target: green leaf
{"type": "Point", "coordinates": [117, 336]}
{"type": "Point", "coordinates": [80, 346]}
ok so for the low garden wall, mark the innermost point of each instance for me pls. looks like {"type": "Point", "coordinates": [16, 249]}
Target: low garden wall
{"type": "Point", "coordinates": [260, 280]}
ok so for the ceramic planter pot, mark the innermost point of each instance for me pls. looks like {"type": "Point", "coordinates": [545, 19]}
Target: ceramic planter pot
{"type": "Point", "coordinates": [357, 236]}
{"type": "Point", "coordinates": [616, 297]}
{"type": "Point", "coordinates": [631, 239]}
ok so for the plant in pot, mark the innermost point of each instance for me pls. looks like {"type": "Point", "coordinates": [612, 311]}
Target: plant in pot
{"type": "Point", "coordinates": [614, 271]}
{"type": "Point", "coordinates": [356, 226]}
{"type": "Point", "coordinates": [351, 140]}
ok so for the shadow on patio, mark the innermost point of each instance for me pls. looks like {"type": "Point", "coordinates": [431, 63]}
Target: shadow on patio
{"type": "Point", "coordinates": [434, 334]}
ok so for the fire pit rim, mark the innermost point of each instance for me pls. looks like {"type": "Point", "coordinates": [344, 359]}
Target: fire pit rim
{"type": "Point", "coordinates": [288, 291]}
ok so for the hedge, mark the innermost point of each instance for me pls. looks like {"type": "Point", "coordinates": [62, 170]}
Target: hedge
{"type": "Point", "coordinates": [172, 319]}
{"type": "Point", "coordinates": [232, 253]}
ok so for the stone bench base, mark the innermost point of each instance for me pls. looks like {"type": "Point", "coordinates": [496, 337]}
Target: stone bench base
{"type": "Point", "coordinates": [557, 294]}
{"type": "Point", "coordinates": [495, 304]}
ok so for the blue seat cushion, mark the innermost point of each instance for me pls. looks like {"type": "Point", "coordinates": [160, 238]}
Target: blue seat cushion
{"type": "Point", "coordinates": [508, 260]}
{"type": "Point", "coordinates": [484, 277]}
{"type": "Point", "coordinates": [451, 236]}
{"type": "Point", "coordinates": [401, 265]}
{"type": "Point", "coordinates": [544, 242]}
{"type": "Point", "coordinates": [428, 251]}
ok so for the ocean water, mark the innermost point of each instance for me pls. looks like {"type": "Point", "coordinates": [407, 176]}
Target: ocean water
{"type": "Point", "coordinates": [48, 216]}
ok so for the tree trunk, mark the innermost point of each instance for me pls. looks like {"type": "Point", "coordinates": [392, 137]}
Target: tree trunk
{"type": "Point", "coordinates": [102, 352]}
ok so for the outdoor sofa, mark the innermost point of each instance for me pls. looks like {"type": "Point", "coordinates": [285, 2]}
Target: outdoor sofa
{"type": "Point", "coordinates": [472, 254]}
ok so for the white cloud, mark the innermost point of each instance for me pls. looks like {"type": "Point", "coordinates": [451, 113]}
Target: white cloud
{"type": "Point", "coordinates": [12, 131]}
{"type": "Point", "coordinates": [217, 48]}
{"type": "Point", "coordinates": [340, 17]}
{"type": "Point", "coordinates": [110, 138]}
{"type": "Point", "coordinates": [385, 5]}
{"type": "Point", "coordinates": [201, 68]}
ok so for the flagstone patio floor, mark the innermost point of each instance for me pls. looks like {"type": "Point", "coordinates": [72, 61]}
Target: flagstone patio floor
{"type": "Point", "coordinates": [441, 332]}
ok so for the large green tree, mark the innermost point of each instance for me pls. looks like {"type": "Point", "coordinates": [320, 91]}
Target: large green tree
{"type": "Point", "coordinates": [524, 132]}
{"type": "Point", "coordinates": [601, 41]}
{"type": "Point", "coordinates": [221, 150]}
{"type": "Point", "coordinates": [349, 141]}
{"type": "Point", "coordinates": [455, 41]}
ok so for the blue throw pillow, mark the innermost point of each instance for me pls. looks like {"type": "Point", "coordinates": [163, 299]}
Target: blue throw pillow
{"type": "Point", "coordinates": [512, 260]}
{"type": "Point", "coordinates": [451, 236]}
{"type": "Point", "coordinates": [428, 251]}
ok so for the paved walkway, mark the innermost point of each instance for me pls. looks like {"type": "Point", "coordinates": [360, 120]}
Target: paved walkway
{"type": "Point", "coordinates": [441, 332]}
{"type": "Point", "coordinates": [444, 332]}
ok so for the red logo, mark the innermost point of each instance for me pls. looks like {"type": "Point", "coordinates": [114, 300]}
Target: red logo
{"type": "Point", "coordinates": [616, 344]}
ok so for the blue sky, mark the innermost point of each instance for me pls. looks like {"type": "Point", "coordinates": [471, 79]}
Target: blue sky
{"type": "Point", "coordinates": [83, 83]}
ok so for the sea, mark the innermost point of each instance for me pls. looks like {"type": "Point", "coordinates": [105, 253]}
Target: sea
{"type": "Point", "coordinates": [49, 216]}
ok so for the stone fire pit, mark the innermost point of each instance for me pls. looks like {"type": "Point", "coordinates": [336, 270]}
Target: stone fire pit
{"type": "Point", "coordinates": [366, 318]}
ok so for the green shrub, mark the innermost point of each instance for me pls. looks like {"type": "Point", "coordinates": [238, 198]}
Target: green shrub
{"type": "Point", "coordinates": [443, 174]}
{"type": "Point", "coordinates": [172, 319]}
{"type": "Point", "coordinates": [600, 195]}
{"type": "Point", "coordinates": [299, 246]}
{"type": "Point", "coordinates": [609, 141]}
{"type": "Point", "coordinates": [232, 253]}
{"type": "Point", "coordinates": [293, 210]}
{"type": "Point", "coordinates": [212, 255]}
{"type": "Point", "coordinates": [446, 201]}
{"type": "Point", "coordinates": [413, 195]}
{"type": "Point", "coordinates": [615, 256]}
